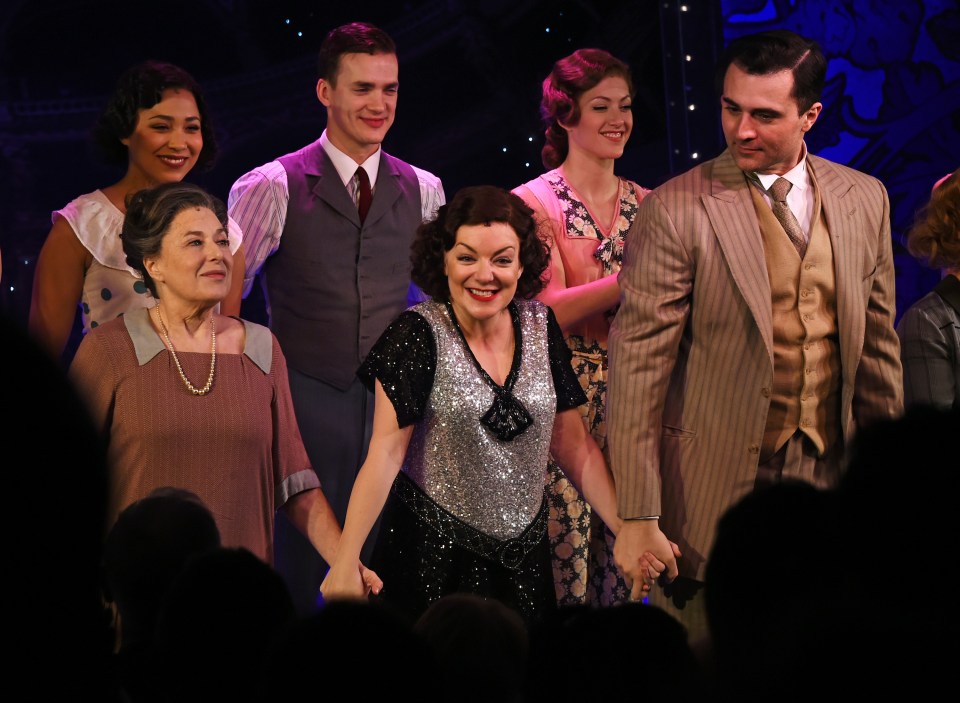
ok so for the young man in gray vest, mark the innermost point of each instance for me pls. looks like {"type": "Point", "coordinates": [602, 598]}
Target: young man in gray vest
{"type": "Point", "coordinates": [329, 228]}
{"type": "Point", "coordinates": [755, 332]}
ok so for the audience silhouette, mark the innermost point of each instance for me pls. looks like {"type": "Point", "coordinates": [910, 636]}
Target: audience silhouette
{"type": "Point", "coordinates": [478, 640]}
{"type": "Point", "coordinates": [144, 552]}
{"type": "Point", "coordinates": [895, 508]}
{"type": "Point", "coordinates": [59, 642]}
{"type": "Point", "coordinates": [762, 585]}
{"type": "Point", "coordinates": [218, 619]}
{"type": "Point", "coordinates": [849, 596]}
{"type": "Point", "coordinates": [641, 653]}
{"type": "Point", "coordinates": [351, 645]}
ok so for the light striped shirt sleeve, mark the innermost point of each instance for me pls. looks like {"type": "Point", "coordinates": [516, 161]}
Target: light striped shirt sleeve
{"type": "Point", "coordinates": [431, 194]}
{"type": "Point", "coordinates": [258, 202]}
{"type": "Point", "coordinates": [432, 198]}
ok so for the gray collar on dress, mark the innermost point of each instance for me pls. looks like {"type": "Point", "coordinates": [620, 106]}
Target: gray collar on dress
{"type": "Point", "coordinates": [147, 343]}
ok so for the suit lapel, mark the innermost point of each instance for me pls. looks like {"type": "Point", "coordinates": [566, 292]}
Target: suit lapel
{"type": "Point", "coordinates": [730, 210]}
{"type": "Point", "coordinates": [839, 209]}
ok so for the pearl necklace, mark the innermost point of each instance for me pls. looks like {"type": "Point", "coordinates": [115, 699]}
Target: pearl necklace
{"type": "Point", "coordinates": [213, 355]}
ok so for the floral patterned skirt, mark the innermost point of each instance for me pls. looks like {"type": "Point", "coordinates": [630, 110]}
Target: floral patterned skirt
{"type": "Point", "coordinates": [581, 546]}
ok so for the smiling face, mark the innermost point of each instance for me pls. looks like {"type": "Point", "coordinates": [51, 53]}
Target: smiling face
{"type": "Point", "coordinates": [194, 264]}
{"type": "Point", "coordinates": [482, 271]}
{"type": "Point", "coordinates": [760, 120]}
{"type": "Point", "coordinates": [606, 119]}
{"type": "Point", "coordinates": [361, 103]}
{"type": "Point", "coordinates": [166, 140]}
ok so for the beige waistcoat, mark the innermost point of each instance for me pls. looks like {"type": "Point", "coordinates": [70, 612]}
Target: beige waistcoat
{"type": "Point", "coordinates": [806, 354]}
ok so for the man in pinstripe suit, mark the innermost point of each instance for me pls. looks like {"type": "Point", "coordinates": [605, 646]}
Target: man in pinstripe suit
{"type": "Point", "coordinates": [749, 345]}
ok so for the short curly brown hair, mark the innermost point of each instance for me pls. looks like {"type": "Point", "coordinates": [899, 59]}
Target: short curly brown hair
{"type": "Point", "coordinates": [935, 235]}
{"type": "Point", "coordinates": [479, 205]}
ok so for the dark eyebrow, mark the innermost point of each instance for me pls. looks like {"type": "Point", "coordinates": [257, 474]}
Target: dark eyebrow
{"type": "Point", "coordinates": [367, 85]}
{"type": "Point", "coordinates": [169, 118]}
{"type": "Point", "coordinates": [200, 232]}
{"type": "Point", "coordinates": [608, 99]}
{"type": "Point", "coordinates": [757, 111]}
{"type": "Point", "coordinates": [499, 251]}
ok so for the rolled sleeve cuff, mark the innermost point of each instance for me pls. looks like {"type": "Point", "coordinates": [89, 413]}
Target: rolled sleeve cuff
{"type": "Point", "coordinates": [297, 483]}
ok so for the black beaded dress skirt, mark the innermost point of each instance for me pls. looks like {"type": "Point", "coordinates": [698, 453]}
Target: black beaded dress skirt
{"type": "Point", "coordinates": [424, 553]}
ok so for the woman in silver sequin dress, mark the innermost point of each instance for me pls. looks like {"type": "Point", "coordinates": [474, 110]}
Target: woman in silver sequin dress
{"type": "Point", "coordinates": [586, 107]}
{"type": "Point", "coordinates": [474, 391]}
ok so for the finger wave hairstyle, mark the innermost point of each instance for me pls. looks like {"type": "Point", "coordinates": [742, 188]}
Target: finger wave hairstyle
{"type": "Point", "coordinates": [141, 87]}
{"type": "Point", "coordinates": [570, 78]}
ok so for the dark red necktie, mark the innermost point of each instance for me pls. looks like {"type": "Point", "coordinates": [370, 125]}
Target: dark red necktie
{"type": "Point", "coordinates": [364, 196]}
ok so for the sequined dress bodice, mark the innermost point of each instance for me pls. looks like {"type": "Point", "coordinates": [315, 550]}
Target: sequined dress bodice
{"type": "Point", "coordinates": [494, 486]}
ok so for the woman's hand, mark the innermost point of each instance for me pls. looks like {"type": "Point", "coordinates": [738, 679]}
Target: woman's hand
{"type": "Point", "coordinates": [345, 581]}
{"type": "Point", "coordinates": [371, 581]}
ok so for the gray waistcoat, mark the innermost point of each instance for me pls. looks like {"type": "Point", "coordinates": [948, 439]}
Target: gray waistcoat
{"type": "Point", "coordinates": [333, 287]}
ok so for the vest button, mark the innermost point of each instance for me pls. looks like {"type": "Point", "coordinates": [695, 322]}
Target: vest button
{"type": "Point", "coordinates": [765, 392]}
{"type": "Point", "coordinates": [754, 449]}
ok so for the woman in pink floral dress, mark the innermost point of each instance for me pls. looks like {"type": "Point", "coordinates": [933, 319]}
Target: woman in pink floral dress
{"type": "Point", "coordinates": [586, 107]}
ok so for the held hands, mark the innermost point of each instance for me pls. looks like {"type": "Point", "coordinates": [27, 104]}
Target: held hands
{"type": "Point", "coordinates": [372, 583]}
{"type": "Point", "coordinates": [644, 554]}
{"type": "Point", "coordinates": [344, 582]}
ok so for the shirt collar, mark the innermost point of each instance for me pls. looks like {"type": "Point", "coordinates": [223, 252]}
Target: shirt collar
{"type": "Point", "coordinates": [147, 343]}
{"type": "Point", "coordinates": [798, 175]}
{"type": "Point", "coordinates": [346, 166]}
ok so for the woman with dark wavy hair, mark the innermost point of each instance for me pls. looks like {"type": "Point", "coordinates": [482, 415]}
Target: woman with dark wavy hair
{"type": "Point", "coordinates": [929, 330]}
{"type": "Point", "coordinates": [586, 108]}
{"type": "Point", "coordinates": [156, 126]}
{"type": "Point", "coordinates": [474, 389]}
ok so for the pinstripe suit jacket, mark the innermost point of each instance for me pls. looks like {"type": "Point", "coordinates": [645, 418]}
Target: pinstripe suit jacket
{"type": "Point", "coordinates": [691, 355]}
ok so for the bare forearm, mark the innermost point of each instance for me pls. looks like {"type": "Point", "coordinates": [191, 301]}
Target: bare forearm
{"type": "Point", "coordinates": [310, 512]}
{"type": "Point", "coordinates": [578, 303]}
{"type": "Point", "coordinates": [597, 487]}
{"type": "Point", "coordinates": [367, 499]}
{"type": "Point", "coordinates": [583, 463]}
